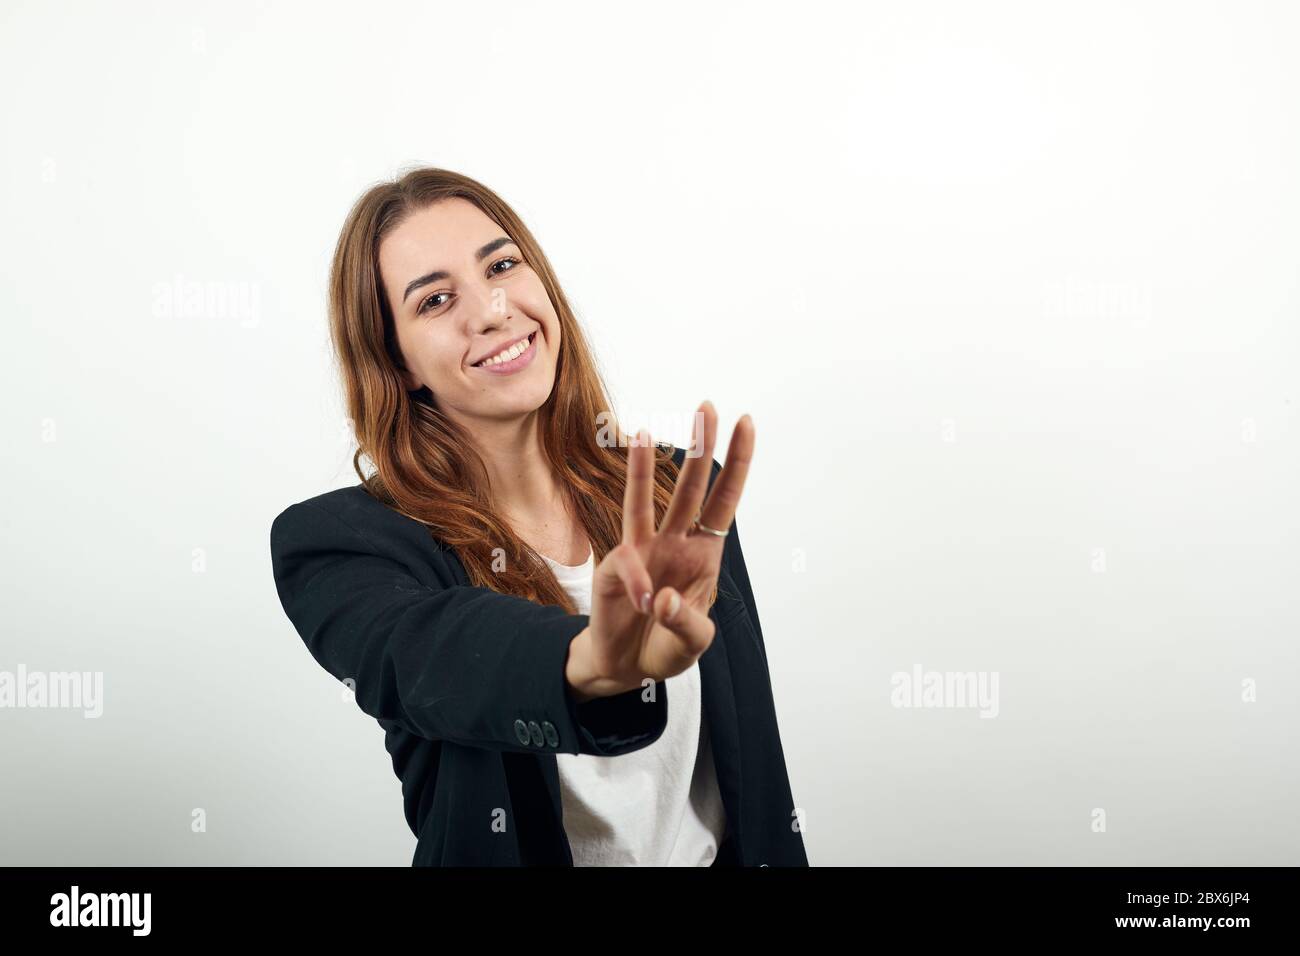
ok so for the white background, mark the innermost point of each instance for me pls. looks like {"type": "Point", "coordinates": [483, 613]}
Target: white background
{"type": "Point", "coordinates": [1010, 291]}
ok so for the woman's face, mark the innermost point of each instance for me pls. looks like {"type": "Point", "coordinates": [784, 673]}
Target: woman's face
{"type": "Point", "coordinates": [461, 293]}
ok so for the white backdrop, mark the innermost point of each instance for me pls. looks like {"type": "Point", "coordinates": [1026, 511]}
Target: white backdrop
{"type": "Point", "coordinates": [1010, 291]}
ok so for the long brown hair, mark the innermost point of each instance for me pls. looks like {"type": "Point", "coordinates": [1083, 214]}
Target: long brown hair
{"type": "Point", "coordinates": [424, 466]}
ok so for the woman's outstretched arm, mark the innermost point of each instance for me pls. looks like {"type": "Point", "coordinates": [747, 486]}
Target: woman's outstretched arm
{"type": "Point", "coordinates": [463, 664]}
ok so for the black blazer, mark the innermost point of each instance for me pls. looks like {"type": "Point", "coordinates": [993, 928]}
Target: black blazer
{"type": "Point", "coordinates": [468, 686]}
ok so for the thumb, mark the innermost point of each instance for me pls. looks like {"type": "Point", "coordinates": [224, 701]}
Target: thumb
{"type": "Point", "coordinates": [623, 570]}
{"type": "Point", "coordinates": [693, 628]}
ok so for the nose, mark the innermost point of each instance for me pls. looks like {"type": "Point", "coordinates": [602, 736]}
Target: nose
{"type": "Point", "coordinates": [491, 311]}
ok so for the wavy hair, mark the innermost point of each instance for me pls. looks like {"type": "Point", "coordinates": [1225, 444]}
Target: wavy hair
{"type": "Point", "coordinates": [424, 465]}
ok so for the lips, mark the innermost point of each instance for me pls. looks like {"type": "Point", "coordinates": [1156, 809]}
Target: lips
{"type": "Point", "coordinates": [508, 345]}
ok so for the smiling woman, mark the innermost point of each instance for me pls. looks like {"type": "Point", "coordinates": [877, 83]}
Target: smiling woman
{"type": "Point", "coordinates": [514, 598]}
{"type": "Point", "coordinates": [486, 309]}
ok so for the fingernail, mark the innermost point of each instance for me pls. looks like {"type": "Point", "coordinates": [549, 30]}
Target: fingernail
{"type": "Point", "coordinates": [674, 604]}
{"type": "Point", "coordinates": [645, 603]}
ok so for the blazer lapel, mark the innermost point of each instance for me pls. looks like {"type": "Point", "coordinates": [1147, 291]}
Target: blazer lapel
{"type": "Point", "coordinates": [719, 709]}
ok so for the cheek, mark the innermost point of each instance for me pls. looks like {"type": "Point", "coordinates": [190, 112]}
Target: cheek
{"type": "Point", "coordinates": [533, 299]}
{"type": "Point", "coordinates": [549, 321]}
{"type": "Point", "coordinates": [434, 354]}
{"type": "Point", "coordinates": [446, 355]}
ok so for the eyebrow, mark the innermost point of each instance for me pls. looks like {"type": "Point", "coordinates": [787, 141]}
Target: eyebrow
{"type": "Point", "coordinates": [482, 254]}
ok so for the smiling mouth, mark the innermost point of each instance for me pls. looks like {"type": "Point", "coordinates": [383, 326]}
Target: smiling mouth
{"type": "Point", "coordinates": [488, 362]}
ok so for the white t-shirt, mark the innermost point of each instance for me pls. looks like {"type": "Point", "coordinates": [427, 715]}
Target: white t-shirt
{"type": "Point", "coordinates": [656, 806]}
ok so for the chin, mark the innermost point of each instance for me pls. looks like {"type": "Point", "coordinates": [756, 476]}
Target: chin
{"type": "Point", "coordinates": [523, 400]}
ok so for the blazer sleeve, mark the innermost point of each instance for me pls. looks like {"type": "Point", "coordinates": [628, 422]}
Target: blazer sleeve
{"type": "Point", "coordinates": [462, 664]}
{"type": "Point", "coordinates": [740, 574]}
{"type": "Point", "coordinates": [734, 558]}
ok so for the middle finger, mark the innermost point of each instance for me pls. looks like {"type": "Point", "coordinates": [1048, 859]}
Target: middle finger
{"type": "Point", "coordinates": [724, 497]}
{"type": "Point", "coordinates": [693, 480]}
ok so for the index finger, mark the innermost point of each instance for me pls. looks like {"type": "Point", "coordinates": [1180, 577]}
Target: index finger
{"type": "Point", "coordinates": [638, 490]}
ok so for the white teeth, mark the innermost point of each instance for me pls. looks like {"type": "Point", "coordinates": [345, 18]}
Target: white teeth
{"type": "Point", "coordinates": [510, 353]}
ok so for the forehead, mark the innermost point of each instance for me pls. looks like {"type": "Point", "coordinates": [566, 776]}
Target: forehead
{"type": "Point", "coordinates": [442, 236]}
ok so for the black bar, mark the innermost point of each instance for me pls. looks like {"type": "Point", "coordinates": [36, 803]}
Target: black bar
{"type": "Point", "coordinates": [334, 906]}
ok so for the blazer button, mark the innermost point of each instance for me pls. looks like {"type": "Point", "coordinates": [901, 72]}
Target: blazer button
{"type": "Point", "coordinates": [536, 731]}
{"type": "Point", "coordinates": [552, 735]}
{"type": "Point", "coordinates": [521, 731]}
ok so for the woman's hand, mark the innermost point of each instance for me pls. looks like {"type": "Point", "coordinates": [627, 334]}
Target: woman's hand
{"type": "Point", "coordinates": [649, 603]}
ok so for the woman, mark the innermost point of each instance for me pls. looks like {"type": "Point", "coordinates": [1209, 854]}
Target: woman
{"type": "Point", "coordinates": [515, 597]}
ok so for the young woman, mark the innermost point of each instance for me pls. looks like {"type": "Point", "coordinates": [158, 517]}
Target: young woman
{"type": "Point", "coordinates": [553, 625]}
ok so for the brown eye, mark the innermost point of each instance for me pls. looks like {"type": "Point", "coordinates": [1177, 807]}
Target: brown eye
{"type": "Point", "coordinates": [424, 306]}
